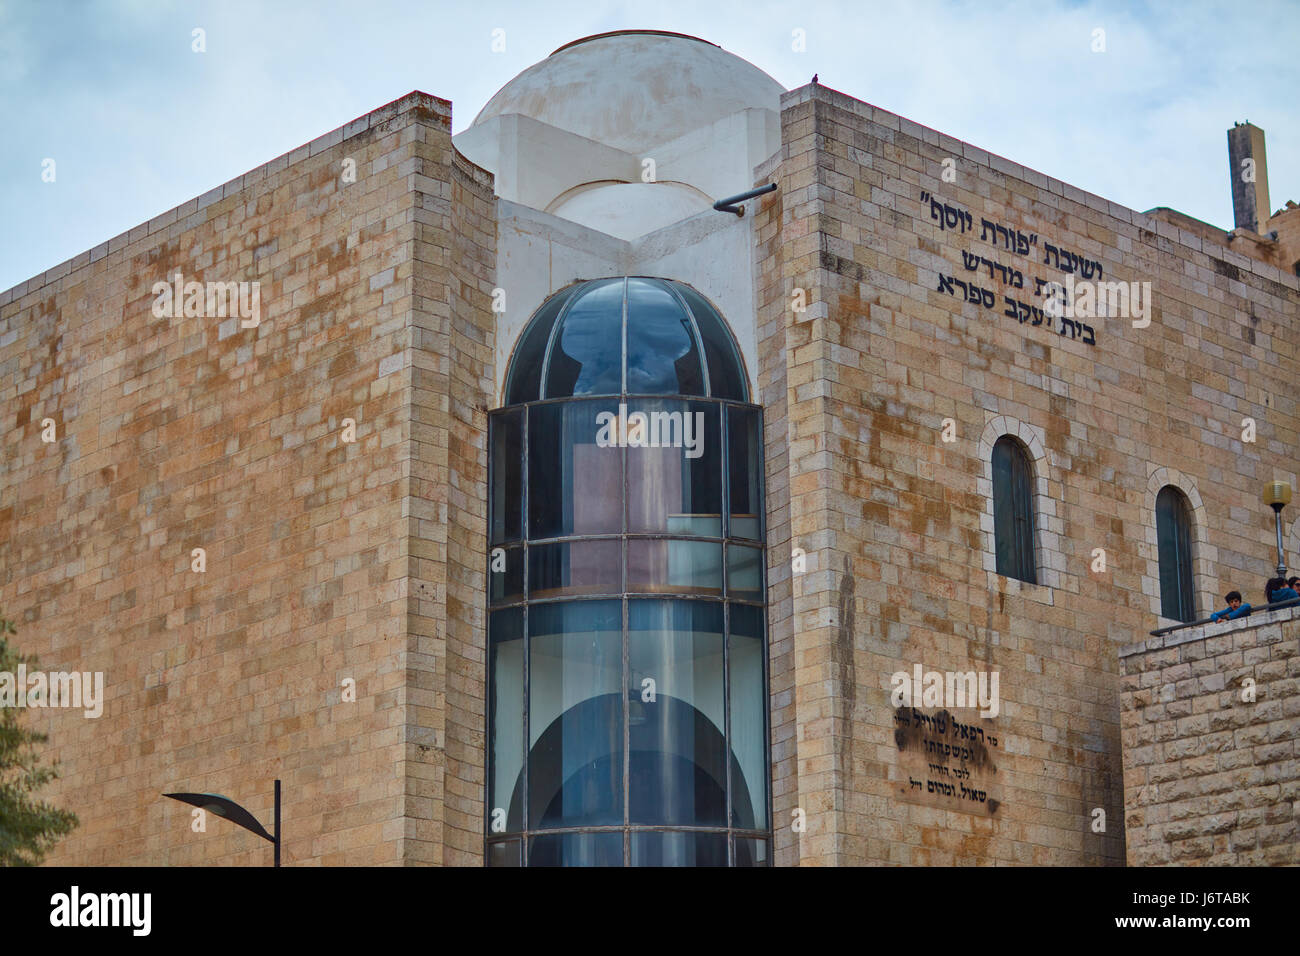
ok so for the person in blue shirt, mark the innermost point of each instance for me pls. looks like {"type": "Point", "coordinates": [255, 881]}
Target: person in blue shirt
{"type": "Point", "coordinates": [1278, 590]}
{"type": "Point", "coordinates": [1235, 608]}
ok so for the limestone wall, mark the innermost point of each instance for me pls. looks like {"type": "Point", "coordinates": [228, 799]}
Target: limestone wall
{"type": "Point", "coordinates": [880, 223]}
{"type": "Point", "coordinates": [1211, 734]}
{"type": "Point", "coordinates": [326, 560]}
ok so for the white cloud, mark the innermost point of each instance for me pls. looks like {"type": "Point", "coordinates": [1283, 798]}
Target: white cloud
{"type": "Point", "coordinates": [139, 124]}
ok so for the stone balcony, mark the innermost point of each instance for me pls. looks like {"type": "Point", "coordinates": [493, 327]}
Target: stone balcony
{"type": "Point", "coordinates": [1210, 730]}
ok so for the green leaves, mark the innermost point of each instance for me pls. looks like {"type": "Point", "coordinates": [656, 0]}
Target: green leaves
{"type": "Point", "coordinates": [29, 828]}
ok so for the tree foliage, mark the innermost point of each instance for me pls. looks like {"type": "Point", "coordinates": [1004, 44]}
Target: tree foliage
{"type": "Point", "coordinates": [29, 828]}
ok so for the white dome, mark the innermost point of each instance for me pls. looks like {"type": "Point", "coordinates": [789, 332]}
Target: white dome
{"type": "Point", "coordinates": [635, 89]}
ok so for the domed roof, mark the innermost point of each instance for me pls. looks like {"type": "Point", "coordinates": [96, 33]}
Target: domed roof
{"type": "Point", "coordinates": [625, 336]}
{"type": "Point", "coordinates": [634, 89]}
{"type": "Point", "coordinates": [629, 210]}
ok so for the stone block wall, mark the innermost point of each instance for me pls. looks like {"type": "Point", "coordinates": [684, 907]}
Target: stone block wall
{"type": "Point", "coordinates": [453, 385]}
{"type": "Point", "coordinates": [328, 562]}
{"type": "Point", "coordinates": [881, 224]}
{"type": "Point", "coordinates": [1211, 732]}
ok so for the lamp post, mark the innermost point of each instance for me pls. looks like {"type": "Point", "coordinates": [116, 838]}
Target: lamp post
{"type": "Point", "coordinates": [1277, 495]}
{"type": "Point", "coordinates": [230, 810]}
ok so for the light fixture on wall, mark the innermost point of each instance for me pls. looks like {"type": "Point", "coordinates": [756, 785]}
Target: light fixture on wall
{"type": "Point", "coordinates": [1277, 495]}
{"type": "Point", "coordinates": [228, 809]}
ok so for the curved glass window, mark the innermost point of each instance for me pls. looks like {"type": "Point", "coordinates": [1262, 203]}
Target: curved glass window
{"type": "Point", "coordinates": [585, 350]}
{"type": "Point", "coordinates": [1174, 542]}
{"type": "Point", "coordinates": [726, 375]}
{"type": "Point", "coordinates": [744, 454]}
{"type": "Point", "coordinates": [674, 481]}
{"type": "Point", "coordinates": [1013, 510]}
{"type": "Point", "coordinates": [663, 357]}
{"type": "Point", "coordinates": [627, 654]}
{"type": "Point", "coordinates": [627, 336]}
{"type": "Point", "coordinates": [505, 438]}
{"type": "Point", "coordinates": [575, 743]}
{"type": "Point", "coordinates": [575, 474]}
{"type": "Point", "coordinates": [525, 376]}
{"type": "Point", "coordinates": [677, 725]}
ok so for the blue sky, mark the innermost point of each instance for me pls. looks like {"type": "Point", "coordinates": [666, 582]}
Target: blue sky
{"type": "Point", "coordinates": [137, 122]}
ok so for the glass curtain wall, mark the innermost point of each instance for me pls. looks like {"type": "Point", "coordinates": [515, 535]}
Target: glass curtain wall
{"type": "Point", "coordinates": [627, 699]}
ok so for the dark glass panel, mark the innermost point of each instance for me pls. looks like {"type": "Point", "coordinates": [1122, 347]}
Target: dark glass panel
{"type": "Point", "coordinates": [505, 575]}
{"type": "Point", "coordinates": [575, 714]}
{"type": "Point", "coordinates": [662, 357]}
{"type": "Point", "coordinates": [1004, 509]}
{"type": "Point", "coordinates": [745, 448]}
{"type": "Point", "coordinates": [575, 567]}
{"type": "Point", "coordinates": [506, 441]}
{"type": "Point", "coordinates": [506, 717]}
{"type": "Point", "coordinates": [669, 848]}
{"type": "Point", "coordinates": [585, 676]}
{"type": "Point", "coordinates": [726, 375]}
{"type": "Point", "coordinates": [575, 486]}
{"type": "Point", "coordinates": [524, 381]}
{"type": "Point", "coordinates": [751, 852]}
{"type": "Point", "coordinates": [576, 849]}
{"type": "Point", "coordinates": [1013, 515]}
{"type": "Point", "coordinates": [1174, 539]}
{"type": "Point", "coordinates": [505, 854]}
{"type": "Point", "coordinates": [674, 467]}
{"type": "Point", "coordinates": [587, 355]}
{"type": "Point", "coordinates": [748, 718]}
{"type": "Point", "coordinates": [676, 718]}
{"type": "Point", "coordinates": [744, 572]}
{"type": "Point", "coordinates": [666, 566]}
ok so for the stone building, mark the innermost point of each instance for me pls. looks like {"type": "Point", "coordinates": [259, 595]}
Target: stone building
{"type": "Point", "coordinates": [511, 504]}
{"type": "Point", "coordinates": [1208, 716]}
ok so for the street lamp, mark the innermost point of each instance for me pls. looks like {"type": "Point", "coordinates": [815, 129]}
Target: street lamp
{"type": "Point", "coordinates": [230, 810]}
{"type": "Point", "coordinates": [1277, 495]}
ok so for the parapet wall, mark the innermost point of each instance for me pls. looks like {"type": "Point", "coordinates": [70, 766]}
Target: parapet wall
{"type": "Point", "coordinates": [1209, 721]}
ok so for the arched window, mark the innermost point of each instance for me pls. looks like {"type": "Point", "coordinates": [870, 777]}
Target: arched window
{"type": "Point", "coordinates": [1013, 510]}
{"type": "Point", "coordinates": [627, 689]}
{"type": "Point", "coordinates": [1174, 539]}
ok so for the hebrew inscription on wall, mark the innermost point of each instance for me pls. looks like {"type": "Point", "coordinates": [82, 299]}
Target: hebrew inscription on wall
{"type": "Point", "coordinates": [1013, 242]}
{"type": "Point", "coordinates": [945, 763]}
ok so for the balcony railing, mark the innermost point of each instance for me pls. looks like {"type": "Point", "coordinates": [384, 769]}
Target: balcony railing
{"type": "Point", "coordinates": [1255, 609]}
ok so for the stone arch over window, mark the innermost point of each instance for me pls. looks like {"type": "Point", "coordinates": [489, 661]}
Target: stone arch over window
{"type": "Point", "coordinates": [1049, 561]}
{"type": "Point", "coordinates": [1205, 585]}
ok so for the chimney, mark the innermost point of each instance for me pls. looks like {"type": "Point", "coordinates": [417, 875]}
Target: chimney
{"type": "Point", "coordinates": [1249, 171]}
